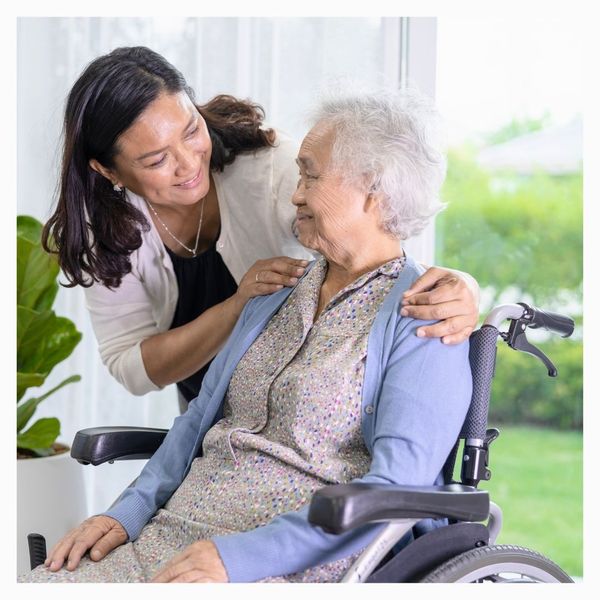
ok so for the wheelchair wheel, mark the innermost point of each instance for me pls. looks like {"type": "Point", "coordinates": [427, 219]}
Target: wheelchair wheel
{"type": "Point", "coordinates": [498, 564]}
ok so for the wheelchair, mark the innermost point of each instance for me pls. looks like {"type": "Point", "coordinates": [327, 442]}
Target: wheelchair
{"type": "Point", "coordinates": [463, 548]}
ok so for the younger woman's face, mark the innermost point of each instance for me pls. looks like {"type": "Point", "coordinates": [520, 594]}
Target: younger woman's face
{"type": "Point", "coordinates": [165, 155]}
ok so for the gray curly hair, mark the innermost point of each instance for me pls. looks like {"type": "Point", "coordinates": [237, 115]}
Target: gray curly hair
{"type": "Point", "coordinates": [391, 140]}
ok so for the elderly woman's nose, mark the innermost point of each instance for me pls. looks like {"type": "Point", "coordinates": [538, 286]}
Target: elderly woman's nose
{"type": "Point", "coordinates": [298, 195]}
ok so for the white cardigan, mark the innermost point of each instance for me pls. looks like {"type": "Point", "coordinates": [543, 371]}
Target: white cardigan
{"type": "Point", "coordinates": [254, 195]}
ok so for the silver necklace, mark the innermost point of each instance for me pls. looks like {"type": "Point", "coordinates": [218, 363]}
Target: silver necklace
{"type": "Point", "coordinates": [190, 250]}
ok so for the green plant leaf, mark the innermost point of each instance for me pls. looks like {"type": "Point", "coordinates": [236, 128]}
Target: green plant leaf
{"type": "Point", "coordinates": [43, 340]}
{"type": "Point", "coordinates": [40, 435]}
{"type": "Point", "coordinates": [26, 409]}
{"type": "Point", "coordinates": [29, 228]}
{"type": "Point", "coordinates": [27, 380]}
{"type": "Point", "coordinates": [36, 269]}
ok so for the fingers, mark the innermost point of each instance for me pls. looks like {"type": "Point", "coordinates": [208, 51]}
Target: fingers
{"type": "Point", "coordinates": [426, 281]}
{"type": "Point", "coordinates": [177, 567]}
{"type": "Point", "coordinates": [270, 275]}
{"type": "Point", "coordinates": [265, 277]}
{"type": "Point", "coordinates": [114, 538]}
{"type": "Point", "coordinates": [452, 331]}
{"type": "Point", "coordinates": [279, 271]}
{"type": "Point", "coordinates": [71, 549]}
{"type": "Point", "coordinates": [450, 301]}
{"type": "Point", "coordinates": [434, 312]}
{"type": "Point", "coordinates": [447, 289]}
{"type": "Point", "coordinates": [458, 338]}
{"type": "Point", "coordinates": [284, 265]}
{"type": "Point", "coordinates": [60, 551]}
{"type": "Point", "coordinates": [199, 562]}
{"type": "Point", "coordinates": [101, 533]}
{"type": "Point", "coordinates": [195, 576]}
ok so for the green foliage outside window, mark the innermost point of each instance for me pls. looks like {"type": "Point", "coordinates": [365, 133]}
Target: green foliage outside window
{"type": "Point", "coordinates": [521, 237]}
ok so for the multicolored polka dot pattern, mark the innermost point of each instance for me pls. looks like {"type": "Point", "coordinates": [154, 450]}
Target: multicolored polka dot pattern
{"type": "Point", "coordinates": [291, 424]}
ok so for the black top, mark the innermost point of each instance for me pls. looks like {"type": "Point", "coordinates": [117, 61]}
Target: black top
{"type": "Point", "coordinates": [203, 281]}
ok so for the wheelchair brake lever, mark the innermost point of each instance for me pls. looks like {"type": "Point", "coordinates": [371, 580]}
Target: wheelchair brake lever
{"type": "Point", "coordinates": [517, 340]}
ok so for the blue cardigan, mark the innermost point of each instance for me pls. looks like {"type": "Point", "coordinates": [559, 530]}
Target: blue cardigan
{"type": "Point", "coordinates": [416, 393]}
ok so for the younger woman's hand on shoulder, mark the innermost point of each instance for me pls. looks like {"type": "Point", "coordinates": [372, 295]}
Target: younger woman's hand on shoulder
{"type": "Point", "coordinates": [270, 275]}
{"type": "Point", "coordinates": [451, 297]}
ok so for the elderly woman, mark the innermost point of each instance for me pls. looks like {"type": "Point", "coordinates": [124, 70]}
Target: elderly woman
{"type": "Point", "coordinates": [320, 384]}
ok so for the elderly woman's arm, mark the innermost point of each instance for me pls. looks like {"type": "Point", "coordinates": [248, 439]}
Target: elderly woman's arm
{"type": "Point", "coordinates": [420, 409]}
{"type": "Point", "coordinates": [448, 296]}
{"type": "Point", "coordinates": [161, 475]}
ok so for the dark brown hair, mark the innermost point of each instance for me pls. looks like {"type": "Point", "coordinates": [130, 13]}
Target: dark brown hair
{"type": "Point", "coordinates": [94, 229]}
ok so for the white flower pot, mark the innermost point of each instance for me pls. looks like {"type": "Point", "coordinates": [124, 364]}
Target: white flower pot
{"type": "Point", "coordinates": [50, 501]}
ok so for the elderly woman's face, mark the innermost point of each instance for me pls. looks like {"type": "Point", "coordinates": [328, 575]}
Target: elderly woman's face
{"type": "Point", "coordinates": [329, 211]}
{"type": "Point", "coordinates": [165, 155]}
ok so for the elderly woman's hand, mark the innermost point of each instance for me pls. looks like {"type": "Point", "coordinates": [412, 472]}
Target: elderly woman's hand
{"type": "Point", "coordinates": [268, 276]}
{"type": "Point", "coordinates": [100, 533]}
{"type": "Point", "coordinates": [198, 563]}
{"type": "Point", "coordinates": [452, 297]}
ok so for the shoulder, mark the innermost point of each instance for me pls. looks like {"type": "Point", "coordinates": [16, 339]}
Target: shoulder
{"type": "Point", "coordinates": [259, 307]}
{"type": "Point", "coordinates": [411, 271]}
{"type": "Point", "coordinates": [405, 327]}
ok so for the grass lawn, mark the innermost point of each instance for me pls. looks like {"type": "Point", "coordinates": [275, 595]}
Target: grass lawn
{"type": "Point", "coordinates": [537, 480]}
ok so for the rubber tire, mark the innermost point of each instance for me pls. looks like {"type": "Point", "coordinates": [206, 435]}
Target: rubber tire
{"type": "Point", "coordinates": [460, 567]}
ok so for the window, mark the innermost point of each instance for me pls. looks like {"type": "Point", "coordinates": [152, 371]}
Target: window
{"type": "Point", "coordinates": [510, 91]}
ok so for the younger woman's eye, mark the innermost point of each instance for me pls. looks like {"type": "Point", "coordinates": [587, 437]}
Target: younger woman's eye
{"type": "Point", "coordinates": [159, 162]}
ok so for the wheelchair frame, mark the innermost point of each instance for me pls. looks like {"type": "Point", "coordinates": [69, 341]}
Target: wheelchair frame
{"type": "Point", "coordinates": [464, 549]}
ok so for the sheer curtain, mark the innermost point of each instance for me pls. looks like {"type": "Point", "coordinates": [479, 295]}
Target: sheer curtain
{"type": "Point", "coordinates": [277, 62]}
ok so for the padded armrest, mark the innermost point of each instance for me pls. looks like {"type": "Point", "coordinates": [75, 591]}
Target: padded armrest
{"type": "Point", "coordinates": [338, 508]}
{"type": "Point", "coordinates": [98, 445]}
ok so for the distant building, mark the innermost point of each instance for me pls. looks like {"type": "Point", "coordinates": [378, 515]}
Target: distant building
{"type": "Point", "coordinates": [556, 150]}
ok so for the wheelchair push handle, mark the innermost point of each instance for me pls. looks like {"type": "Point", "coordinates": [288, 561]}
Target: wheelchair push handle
{"type": "Point", "coordinates": [482, 357]}
{"type": "Point", "coordinates": [550, 321]}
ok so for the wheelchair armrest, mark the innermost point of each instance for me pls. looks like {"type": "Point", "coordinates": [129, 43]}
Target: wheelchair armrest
{"type": "Point", "coordinates": [338, 508]}
{"type": "Point", "coordinates": [98, 445]}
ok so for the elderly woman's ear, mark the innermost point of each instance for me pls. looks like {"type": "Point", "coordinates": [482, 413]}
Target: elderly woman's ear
{"type": "Point", "coordinates": [372, 202]}
{"type": "Point", "coordinates": [374, 195]}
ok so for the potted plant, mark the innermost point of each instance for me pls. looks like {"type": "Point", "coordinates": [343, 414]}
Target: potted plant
{"type": "Point", "coordinates": [50, 492]}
